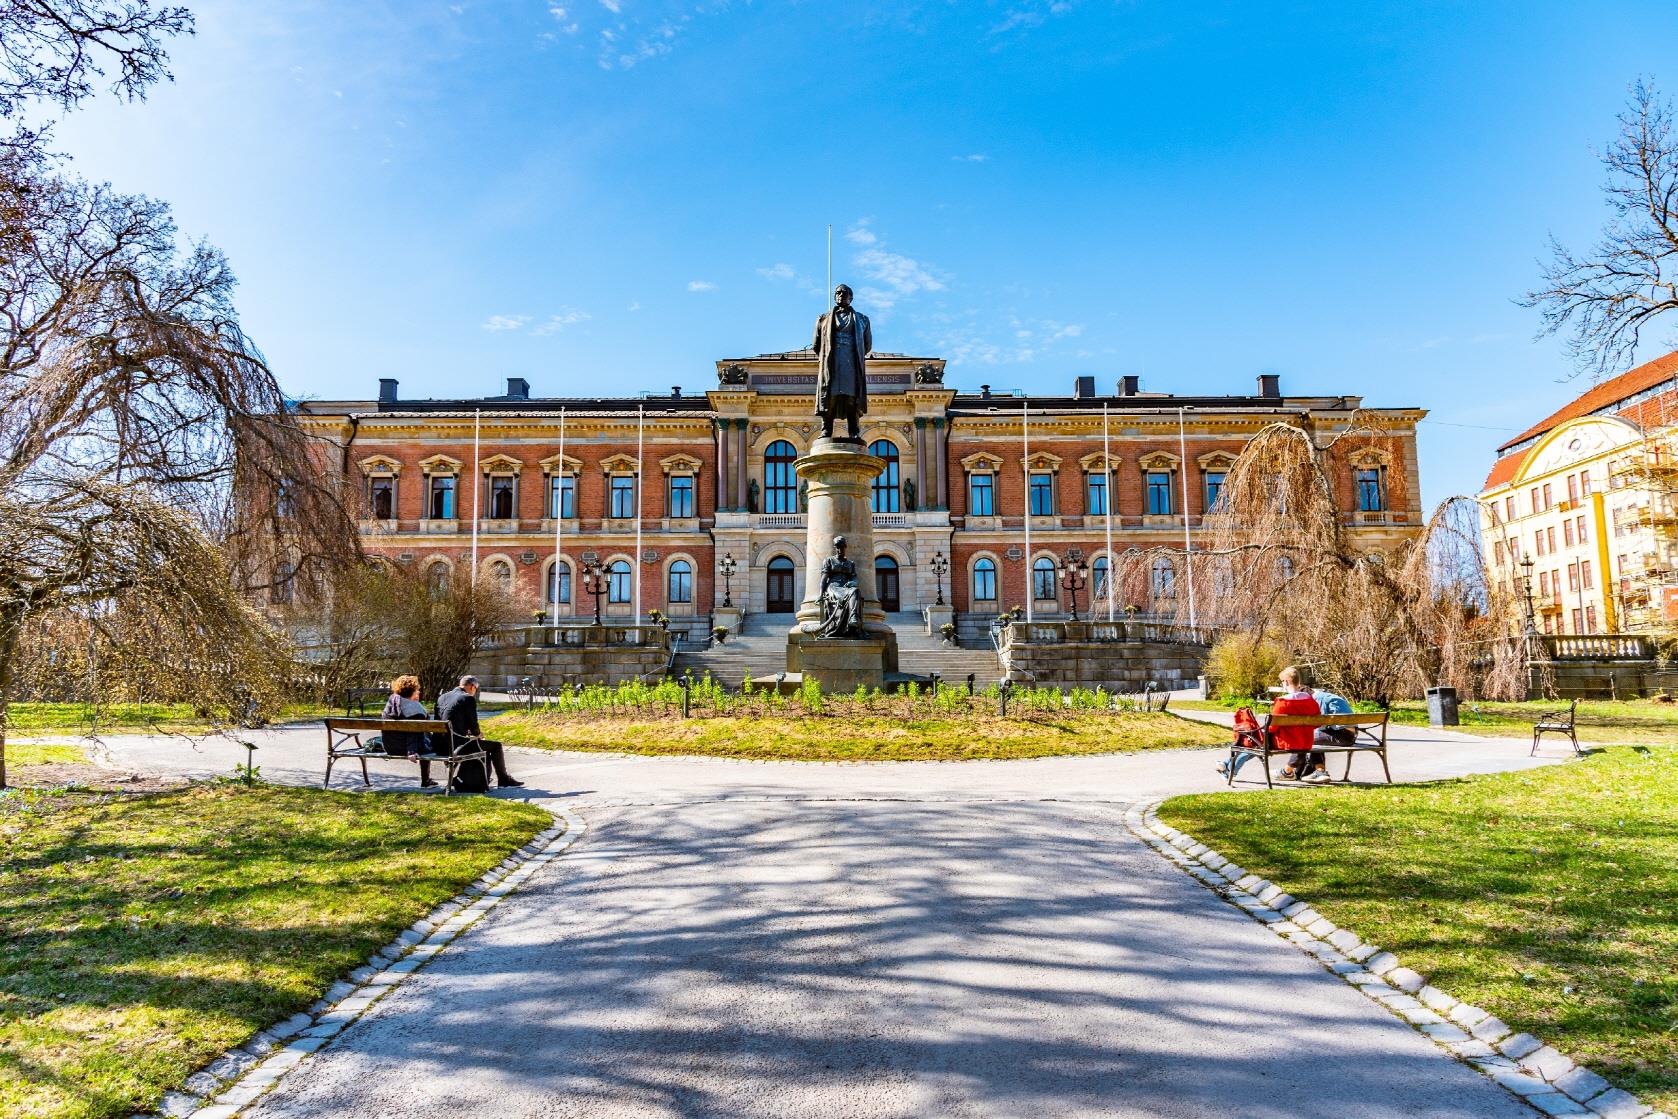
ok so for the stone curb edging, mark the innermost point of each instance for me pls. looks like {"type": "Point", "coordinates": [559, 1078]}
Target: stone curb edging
{"type": "Point", "coordinates": [1521, 1063]}
{"type": "Point", "coordinates": [237, 1078]}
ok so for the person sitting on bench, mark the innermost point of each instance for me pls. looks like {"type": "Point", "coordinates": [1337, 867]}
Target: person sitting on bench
{"type": "Point", "coordinates": [459, 708]}
{"type": "Point", "coordinates": [404, 704]}
{"type": "Point", "coordinates": [1329, 704]}
{"type": "Point", "coordinates": [1297, 701]}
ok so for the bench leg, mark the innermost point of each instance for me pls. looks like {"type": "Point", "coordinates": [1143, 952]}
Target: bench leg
{"type": "Point", "coordinates": [1229, 774]}
{"type": "Point", "coordinates": [364, 778]}
{"type": "Point", "coordinates": [1384, 768]}
{"type": "Point", "coordinates": [1347, 776]}
{"type": "Point", "coordinates": [327, 783]}
{"type": "Point", "coordinates": [1577, 752]}
{"type": "Point", "coordinates": [1534, 750]}
{"type": "Point", "coordinates": [1265, 758]}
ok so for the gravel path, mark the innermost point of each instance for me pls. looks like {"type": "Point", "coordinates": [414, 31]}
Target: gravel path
{"type": "Point", "coordinates": [958, 939]}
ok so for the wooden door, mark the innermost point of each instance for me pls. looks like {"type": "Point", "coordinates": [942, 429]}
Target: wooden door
{"type": "Point", "coordinates": [885, 584]}
{"type": "Point", "coordinates": [779, 599]}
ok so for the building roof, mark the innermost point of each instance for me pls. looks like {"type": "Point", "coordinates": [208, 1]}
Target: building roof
{"type": "Point", "coordinates": [1601, 397]}
{"type": "Point", "coordinates": [1504, 470]}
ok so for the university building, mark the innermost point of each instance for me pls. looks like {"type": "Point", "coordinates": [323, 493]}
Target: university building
{"type": "Point", "coordinates": [664, 492]}
{"type": "Point", "coordinates": [1578, 515]}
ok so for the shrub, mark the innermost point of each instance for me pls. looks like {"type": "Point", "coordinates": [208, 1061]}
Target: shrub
{"type": "Point", "coordinates": [1244, 665]}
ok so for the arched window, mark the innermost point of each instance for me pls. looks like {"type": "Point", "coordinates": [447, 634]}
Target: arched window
{"type": "Point", "coordinates": [680, 582]}
{"type": "Point", "coordinates": [780, 481]}
{"type": "Point", "coordinates": [437, 579]}
{"type": "Point", "coordinates": [1099, 572]}
{"type": "Point", "coordinates": [1284, 568]}
{"type": "Point", "coordinates": [562, 592]}
{"type": "Point", "coordinates": [1164, 578]}
{"type": "Point", "coordinates": [984, 580]}
{"type": "Point", "coordinates": [617, 581]}
{"type": "Point", "coordinates": [1043, 578]}
{"type": "Point", "coordinates": [886, 499]}
{"type": "Point", "coordinates": [501, 573]}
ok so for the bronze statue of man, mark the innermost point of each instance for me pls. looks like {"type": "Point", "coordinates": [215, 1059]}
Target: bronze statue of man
{"type": "Point", "coordinates": [840, 595]}
{"type": "Point", "coordinates": [843, 340]}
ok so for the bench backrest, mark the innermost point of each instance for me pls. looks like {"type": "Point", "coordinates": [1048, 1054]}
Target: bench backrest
{"type": "Point", "coordinates": [388, 726]}
{"type": "Point", "coordinates": [1327, 720]}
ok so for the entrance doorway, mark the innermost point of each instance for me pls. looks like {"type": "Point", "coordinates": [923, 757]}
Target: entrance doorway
{"type": "Point", "coordinates": [885, 584]}
{"type": "Point", "coordinates": [780, 598]}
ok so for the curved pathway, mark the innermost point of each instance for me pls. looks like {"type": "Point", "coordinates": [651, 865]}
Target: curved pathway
{"type": "Point", "coordinates": [860, 940]}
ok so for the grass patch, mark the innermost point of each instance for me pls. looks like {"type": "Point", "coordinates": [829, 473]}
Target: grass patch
{"type": "Point", "coordinates": [141, 718]}
{"type": "Point", "coordinates": [1607, 722]}
{"type": "Point", "coordinates": [1547, 897]}
{"type": "Point", "coordinates": [140, 937]}
{"type": "Point", "coordinates": [860, 737]}
{"type": "Point", "coordinates": [44, 753]}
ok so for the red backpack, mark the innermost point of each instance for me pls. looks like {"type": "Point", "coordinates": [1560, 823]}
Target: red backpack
{"type": "Point", "coordinates": [1246, 726]}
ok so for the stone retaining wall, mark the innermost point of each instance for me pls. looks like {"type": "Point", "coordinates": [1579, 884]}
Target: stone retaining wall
{"type": "Point", "coordinates": [1126, 666]}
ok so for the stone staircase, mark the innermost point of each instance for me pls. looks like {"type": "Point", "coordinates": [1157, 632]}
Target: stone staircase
{"type": "Point", "coordinates": [759, 649]}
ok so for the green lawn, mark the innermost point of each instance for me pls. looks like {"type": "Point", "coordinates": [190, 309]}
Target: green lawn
{"type": "Point", "coordinates": [43, 753]}
{"type": "Point", "coordinates": [1548, 897]}
{"type": "Point", "coordinates": [140, 937]}
{"type": "Point", "coordinates": [861, 737]}
{"type": "Point", "coordinates": [1638, 721]}
{"type": "Point", "coordinates": [120, 718]}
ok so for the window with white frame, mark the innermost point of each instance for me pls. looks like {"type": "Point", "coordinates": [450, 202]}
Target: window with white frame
{"type": "Point", "coordinates": [984, 579]}
{"type": "Point", "coordinates": [680, 582]}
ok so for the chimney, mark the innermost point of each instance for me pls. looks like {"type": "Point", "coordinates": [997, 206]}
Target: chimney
{"type": "Point", "coordinates": [387, 390]}
{"type": "Point", "coordinates": [518, 388]}
{"type": "Point", "coordinates": [1130, 386]}
{"type": "Point", "coordinates": [676, 391]}
{"type": "Point", "coordinates": [1083, 388]}
{"type": "Point", "coordinates": [1270, 385]}
{"type": "Point", "coordinates": [984, 392]}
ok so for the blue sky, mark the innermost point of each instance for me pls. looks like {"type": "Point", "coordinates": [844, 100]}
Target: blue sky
{"type": "Point", "coordinates": [609, 195]}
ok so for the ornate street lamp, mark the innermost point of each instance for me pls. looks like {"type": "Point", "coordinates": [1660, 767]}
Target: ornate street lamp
{"type": "Point", "coordinates": [726, 566]}
{"type": "Point", "coordinates": [939, 566]}
{"type": "Point", "coordinates": [1526, 583]}
{"type": "Point", "coordinates": [594, 583]}
{"type": "Point", "coordinates": [1074, 575]}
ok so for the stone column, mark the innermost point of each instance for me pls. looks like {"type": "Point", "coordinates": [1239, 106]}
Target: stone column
{"type": "Point", "coordinates": [742, 464]}
{"type": "Point", "coordinates": [924, 499]}
{"type": "Point", "coordinates": [940, 441]}
{"type": "Point", "coordinates": [725, 498]}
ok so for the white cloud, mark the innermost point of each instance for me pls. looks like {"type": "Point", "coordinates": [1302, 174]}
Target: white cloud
{"type": "Point", "coordinates": [701, 285]}
{"type": "Point", "coordinates": [505, 322]}
{"type": "Point", "coordinates": [976, 157]}
{"type": "Point", "coordinates": [777, 272]}
{"type": "Point", "coordinates": [893, 276]}
{"type": "Point", "coordinates": [613, 6]}
{"type": "Point", "coordinates": [557, 12]}
{"type": "Point", "coordinates": [859, 233]}
{"type": "Point", "coordinates": [635, 306]}
{"type": "Point", "coordinates": [566, 316]}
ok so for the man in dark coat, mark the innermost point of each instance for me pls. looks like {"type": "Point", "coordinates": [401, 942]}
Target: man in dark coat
{"type": "Point", "coordinates": [459, 709]}
{"type": "Point", "coordinates": [842, 344]}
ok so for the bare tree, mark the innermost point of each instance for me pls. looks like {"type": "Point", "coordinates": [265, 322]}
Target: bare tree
{"type": "Point", "coordinates": [1605, 299]}
{"type": "Point", "coordinates": [147, 454]}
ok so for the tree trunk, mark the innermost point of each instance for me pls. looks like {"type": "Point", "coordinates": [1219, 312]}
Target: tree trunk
{"type": "Point", "coordinates": [10, 627]}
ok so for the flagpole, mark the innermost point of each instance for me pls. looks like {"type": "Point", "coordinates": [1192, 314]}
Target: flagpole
{"type": "Point", "coordinates": [640, 484]}
{"type": "Point", "coordinates": [559, 515]}
{"type": "Point", "coordinates": [477, 490]}
{"type": "Point", "coordinates": [1107, 465]}
{"type": "Point", "coordinates": [1188, 541]}
{"type": "Point", "coordinates": [1025, 464]}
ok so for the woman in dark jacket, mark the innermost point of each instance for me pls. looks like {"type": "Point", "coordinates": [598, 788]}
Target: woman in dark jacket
{"type": "Point", "coordinates": [404, 704]}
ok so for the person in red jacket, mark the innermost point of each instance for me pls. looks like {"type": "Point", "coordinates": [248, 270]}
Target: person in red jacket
{"type": "Point", "coordinates": [1298, 701]}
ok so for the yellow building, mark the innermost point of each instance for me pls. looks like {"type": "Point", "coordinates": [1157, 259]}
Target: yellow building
{"type": "Point", "coordinates": [1583, 506]}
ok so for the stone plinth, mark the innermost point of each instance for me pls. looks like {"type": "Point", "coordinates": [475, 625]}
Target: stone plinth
{"type": "Point", "coordinates": [839, 474]}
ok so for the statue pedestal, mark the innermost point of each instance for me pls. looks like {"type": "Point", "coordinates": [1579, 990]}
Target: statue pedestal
{"type": "Point", "coordinates": [839, 474]}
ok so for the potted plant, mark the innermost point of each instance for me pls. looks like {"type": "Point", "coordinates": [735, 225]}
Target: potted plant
{"type": "Point", "coordinates": [541, 616]}
{"type": "Point", "coordinates": [719, 634]}
{"type": "Point", "coordinates": [658, 618]}
{"type": "Point", "coordinates": [948, 632]}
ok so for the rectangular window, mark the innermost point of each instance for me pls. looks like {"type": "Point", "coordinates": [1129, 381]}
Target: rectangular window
{"type": "Point", "coordinates": [1613, 480]}
{"type": "Point", "coordinates": [1491, 511]}
{"type": "Point", "coordinates": [1372, 496]}
{"type": "Point", "coordinates": [1509, 508]}
{"type": "Point", "coordinates": [1585, 483]}
{"type": "Point", "coordinates": [1572, 576]}
{"type": "Point", "coordinates": [1095, 494]}
{"type": "Point", "coordinates": [284, 578]}
{"type": "Point", "coordinates": [442, 497]}
{"type": "Point", "coordinates": [1497, 552]}
{"type": "Point", "coordinates": [1533, 494]}
{"type": "Point", "coordinates": [501, 504]}
{"type": "Point", "coordinates": [1620, 563]}
{"type": "Point", "coordinates": [1543, 584]}
{"type": "Point", "coordinates": [1578, 620]}
{"type": "Point", "coordinates": [1214, 488]}
{"type": "Point", "coordinates": [562, 497]}
{"type": "Point", "coordinates": [623, 496]}
{"type": "Point", "coordinates": [1567, 533]}
{"type": "Point", "coordinates": [981, 495]}
{"type": "Point", "coordinates": [1547, 500]}
{"type": "Point", "coordinates": [1159, 492]}
{"type": "Point", "coordinates": [381, 498]}
{"type": "Point", "coordinates": [1573, 487]}
{"type": "Point", "coordinates": [681, 499]}
{"type": "Point", "coordinates": [1538, 542]}
{"type": "Point", "coordinates": [1514, 551]}
{"type": "Point", "coordinates": [1580, 533]}
{"type": "Point", "coordinates": [1590, 619]}
{"type": "Point", "coordinates": [1550, 538]}
{"type": "Point", "coordinates": [617, 582]}
{"type": "Point", "coordinates": [1549, 624]}
{"type": "Point", "coordinates": [1042, 495]}
{"type": "Point", "coordinates": [1585, 574]}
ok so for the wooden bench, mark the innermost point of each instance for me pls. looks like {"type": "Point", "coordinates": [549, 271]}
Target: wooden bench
{"type": "Point", "coordinates": [341, 733]}
{"type": "Point", "coordinates": [1558, 722]}
{"type": "Point", "coordinates": [359, 698]}
{"type": "Point", "coordinates": [1369, 737]}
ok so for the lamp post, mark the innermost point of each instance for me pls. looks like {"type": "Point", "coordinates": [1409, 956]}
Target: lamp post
{"type": "Point", "coordinates": [1526, 586]}
{"type": "Point", "coordinates": [939, 566]}
{"type": "Point", "coordinates": [1074, 575]}
{"type": "Point", "coordinates": [726, 566]}
{"type": "Point", "coordinates": [594, 583]}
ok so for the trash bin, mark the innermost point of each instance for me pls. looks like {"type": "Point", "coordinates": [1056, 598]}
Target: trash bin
{"type": "Point", "coordinates": [1442, 707]}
